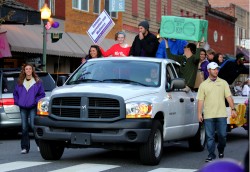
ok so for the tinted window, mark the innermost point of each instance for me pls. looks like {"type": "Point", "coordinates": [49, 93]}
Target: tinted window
{"type": "Point", "coordinates": [48, 82]}
{"type": "Point", "coordinates": [144, 73]}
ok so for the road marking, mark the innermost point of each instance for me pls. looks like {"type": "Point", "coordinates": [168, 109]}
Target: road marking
{"type": "Point", "coordinates": [172, 170]}
{"type": "Point", "coordinates": [87, 167]}
{"type": "Point", "coordinates": [19, 165]}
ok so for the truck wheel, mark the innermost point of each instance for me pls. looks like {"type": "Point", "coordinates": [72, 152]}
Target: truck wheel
{"type": "Point", "coordinates": [151, 152]}
{"type": "Point", "coordinates": [197, 143]}
{"type": "Point", "coordinates": [51, 150]}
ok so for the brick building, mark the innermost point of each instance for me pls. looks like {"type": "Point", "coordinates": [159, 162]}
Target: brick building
{"type": "Point", "coordinates": [220, 31]}
{"type": "Point", "coordinates": [244, 4]}
{"type": "Point", "coordinates": [75, 19]}
{"type": "Point", "coordinates": [240, 10]}
{"type": "Point", "coordinates": [152, 11]}
{"type": "Point", "coordinates": [65, 55]}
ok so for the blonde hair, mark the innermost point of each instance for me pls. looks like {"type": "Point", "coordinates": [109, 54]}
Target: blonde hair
{"type": "Point", "coordinates": [118, 33]}
{"type": "Point", "coordinates": [210, 51]}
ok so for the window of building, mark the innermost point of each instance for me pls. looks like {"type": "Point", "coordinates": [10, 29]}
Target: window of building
{"type": "Point", "coordinates": [40, 4]}
{"type": "Point", "coordinates": [112, 14]}
{"type": "Point", "coordinates": [158, 11]}
{"type": "Point", "coordinates": [147, 9]}
{"type": "Point", "coordinates": [96, 8]}
{"type": "Point", "coordinates": [81, 5]}
{"type": "Point", "coordinates": [52, 6]}
{"type": "Point", "coordinates": [135, 8]}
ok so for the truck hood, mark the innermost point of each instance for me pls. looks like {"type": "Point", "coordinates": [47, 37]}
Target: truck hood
{"type": "Point", "coordinates": [127, 91]}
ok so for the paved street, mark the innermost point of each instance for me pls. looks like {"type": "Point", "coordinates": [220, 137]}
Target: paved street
{"type": "Point", "coordinates": [177, 157]}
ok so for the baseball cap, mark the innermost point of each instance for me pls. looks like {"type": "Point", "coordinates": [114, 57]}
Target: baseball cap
{"type": "Point", "coordinates": [240, 56]}
{"type": "Point", "coordinates": [212, 65]}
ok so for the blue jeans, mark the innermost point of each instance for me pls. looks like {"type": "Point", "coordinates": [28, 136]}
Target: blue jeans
{"type": "Point", "coordinates": [27, 117]}
{"type": "Point", "coordinates": [220, 126]}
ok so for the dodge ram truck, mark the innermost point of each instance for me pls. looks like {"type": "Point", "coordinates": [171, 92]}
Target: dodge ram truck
{"type": "Point", "coordinates": [124, 103]}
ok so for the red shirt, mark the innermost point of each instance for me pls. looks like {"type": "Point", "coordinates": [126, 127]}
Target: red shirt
{"type": "Point", "coordinates": [116, 51]}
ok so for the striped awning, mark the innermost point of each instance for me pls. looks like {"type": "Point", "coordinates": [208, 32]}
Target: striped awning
{"type": "Point", "coordinates": [29, 39]}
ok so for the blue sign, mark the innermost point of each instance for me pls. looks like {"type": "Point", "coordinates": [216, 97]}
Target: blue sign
{"type": "Point", "coordinates": [116, 5]}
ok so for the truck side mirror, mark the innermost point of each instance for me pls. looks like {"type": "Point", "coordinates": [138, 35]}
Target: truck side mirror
{"type": "Point", "coordinates": [177, 83]}
{"type": "Point", "coordinates": [61, 80]}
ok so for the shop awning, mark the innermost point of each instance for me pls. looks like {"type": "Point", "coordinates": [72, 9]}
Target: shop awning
{"type": "Point", "coordinates": [29, 39]}
{"type": "Point", "coordinates": [21, 13]}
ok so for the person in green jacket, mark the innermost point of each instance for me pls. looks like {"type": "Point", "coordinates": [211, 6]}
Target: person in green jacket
{"type": "Point", "coordinates": [189, 62]}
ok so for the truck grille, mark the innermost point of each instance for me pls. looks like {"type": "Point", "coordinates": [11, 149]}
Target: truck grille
{"type": "Point", "coordinates": [86, 107]}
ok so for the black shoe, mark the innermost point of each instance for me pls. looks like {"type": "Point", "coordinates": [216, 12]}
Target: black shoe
{"type": "Point", "coordinates": [209, 159]}
{"type": "Point", "coordinates": [221, 155]}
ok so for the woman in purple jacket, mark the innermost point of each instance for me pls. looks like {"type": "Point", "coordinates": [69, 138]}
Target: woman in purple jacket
{"type": "Point", "coordinates": [203, 63]}
{"type": "Point", "coordinates": [28, 91]}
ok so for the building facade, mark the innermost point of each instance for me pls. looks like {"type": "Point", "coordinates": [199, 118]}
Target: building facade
{"type": "Point", "coordinates": [240, 10]}
{"type": "Point", "coordinates": [220, 31]}
{"type": "Point", "coordinates": [76, 16]}
{"type": "Point", "coordinates": [137, 11]}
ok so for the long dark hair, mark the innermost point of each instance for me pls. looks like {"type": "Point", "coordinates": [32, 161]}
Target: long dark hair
{"type": "Point", "coordinates": [216, 58]}
{"type": "Point", "coordinates": [99, 53]}
{"type": "Point", "coordinates": [22, 74]}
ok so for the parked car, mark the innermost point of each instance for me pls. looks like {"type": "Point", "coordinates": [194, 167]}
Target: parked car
{"type": "Point", "coordinates": [10, 120]}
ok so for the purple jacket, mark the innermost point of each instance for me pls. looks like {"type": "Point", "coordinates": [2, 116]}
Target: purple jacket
{"type": "Point", "coordinates": [28, 99]}
{"type": "Point", "coordinates": [204, 68]}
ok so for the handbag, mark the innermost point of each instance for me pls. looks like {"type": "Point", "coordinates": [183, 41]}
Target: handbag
{"type": "Point", "coordinates": [199, 78]}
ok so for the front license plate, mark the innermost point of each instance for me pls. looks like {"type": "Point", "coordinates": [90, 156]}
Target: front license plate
{"type": "Point", "coordinates": [80, 138]}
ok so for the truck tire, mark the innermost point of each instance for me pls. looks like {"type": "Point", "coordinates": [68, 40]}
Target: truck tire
{"type": "Point", "coordinates": [51, 150]}
{"type": "Point", "coordinates": [197, 143]}
{"type": "Point", "coordinates": [151, 152]}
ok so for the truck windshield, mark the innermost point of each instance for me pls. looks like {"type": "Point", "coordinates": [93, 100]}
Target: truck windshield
{"type": "Point", "coordinates": [142, 73]}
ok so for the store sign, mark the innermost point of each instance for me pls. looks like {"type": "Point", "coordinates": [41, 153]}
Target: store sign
{"type": "Point", "coordinates": [116, 5]}
{"type": "Point", "coordinates": [101, 27]}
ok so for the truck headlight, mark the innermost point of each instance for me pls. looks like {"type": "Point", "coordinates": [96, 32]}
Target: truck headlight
{"type": "Point", "coordinates": [43, 106]}
{"type": "Point", "coordinates": [138, 110]}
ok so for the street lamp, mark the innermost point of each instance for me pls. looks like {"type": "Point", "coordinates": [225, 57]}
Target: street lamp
{"type": "Point", "coordinates": [45, 15]}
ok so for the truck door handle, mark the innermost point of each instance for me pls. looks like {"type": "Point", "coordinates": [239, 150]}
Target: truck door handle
{"type": "Point", "coordinates": [181, 100]}
{"type": "Point", "coordinates": [191, 99]}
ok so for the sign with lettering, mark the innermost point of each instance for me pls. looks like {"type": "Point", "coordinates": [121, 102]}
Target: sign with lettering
{"type": "Point", "coordinates": [101, 27]}
{"type": "Point", "coordinates": [116, 5]}
{"type": "Point", "coordinates": [184, 28]}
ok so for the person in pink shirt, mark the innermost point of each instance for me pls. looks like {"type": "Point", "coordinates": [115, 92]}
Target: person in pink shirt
{"type": "Point", "coordinates": [120, 49]}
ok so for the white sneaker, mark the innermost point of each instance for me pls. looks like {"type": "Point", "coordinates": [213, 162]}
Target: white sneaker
{"type": "Point", "coordinates": [38, 149]}
{"type": "Point", "coordinates": [24, 151]}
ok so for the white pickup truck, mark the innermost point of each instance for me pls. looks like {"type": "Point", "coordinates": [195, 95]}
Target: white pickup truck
{"type": "Point", "coordinates": [128, 103]}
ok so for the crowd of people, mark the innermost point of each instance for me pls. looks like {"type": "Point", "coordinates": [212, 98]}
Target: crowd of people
{"type": "Point", "coordinates": [194, 61]}
{"type": "Point", "coordinates": [207, 67]}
